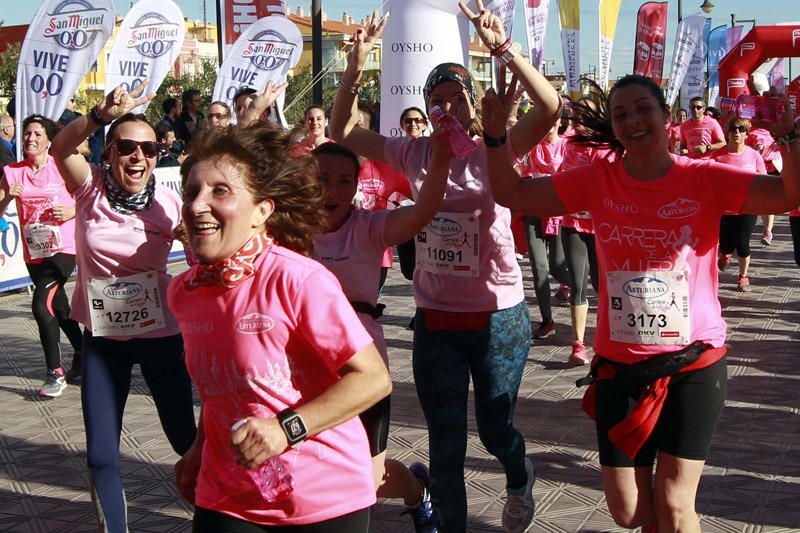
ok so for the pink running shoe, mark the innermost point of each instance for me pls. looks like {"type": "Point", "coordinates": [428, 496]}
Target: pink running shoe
{"type": "Point", "coordinates": [579, 355]}
{"type": "Point", "coordinates": [766, 238]}
{"type": "Point", "coordinates": [724, 260]}
{"type": "Point", "coordinates": [743, 285]}
{"type": "Point", "coordinates": [562, 293]}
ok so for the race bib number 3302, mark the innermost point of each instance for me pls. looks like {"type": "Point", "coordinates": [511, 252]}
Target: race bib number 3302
{"type": "Point", "coordinates": [124, 306]}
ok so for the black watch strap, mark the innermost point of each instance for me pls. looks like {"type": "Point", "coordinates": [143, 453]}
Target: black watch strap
{"type": "Point", "coordinates": [293, 426]}
{"type": "Point", "coordinates": [96, 118]}
{"type": "Point", "coordinates": [494, 142]}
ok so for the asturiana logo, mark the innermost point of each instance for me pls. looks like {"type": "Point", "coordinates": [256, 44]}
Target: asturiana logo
{"type": "Point", "coordinates": [73, 23]}
{"type": "Point", "coordinates": [153, 35]}
{"type": "Point", "coordinates": [445, 227]}
{"type": "Point", "coordinates": [123, 290]}
{"type": "Point", "coordinates": [680, 208]}
{"type": "Point", "coordinates": [269, 50]}
{"type": "Point", "coordinates": [253, 323]}
{"type": "Point", "coordinates": [645, 288]}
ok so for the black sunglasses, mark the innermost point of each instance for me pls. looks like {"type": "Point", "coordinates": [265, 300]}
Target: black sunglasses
{"type": "Point", "coordinates": [128, 146]}
{"type": "Point", "coordinates": [410, 121]}
{"type": "Point", "coordinates": [698, 106]}
{"type": "Point", "coordinates": [740, 129]}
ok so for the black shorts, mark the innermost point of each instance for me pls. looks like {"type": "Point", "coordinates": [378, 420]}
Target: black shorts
{"type": "Point", "coordinates": [207, 521]}
{"type": "Point", "coordinates": [376, 424]}
{"type": "Point", "coordinates": [684, 429]}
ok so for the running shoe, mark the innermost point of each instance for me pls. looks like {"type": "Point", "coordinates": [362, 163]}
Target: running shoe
{"type": "Point", "coordinates": [743, 285]}
{"type": "Point", "coordinates": [74, 373]}
{"type": "Point", "coordinates": [422, 513]}
{"type": "Point", "coordinates": [766, 238]}
{"type": "Point", "coordinates": [724, 261]}
{"type": "Point", "coordinates": [544, 330]}
{"type": "Point", "coordinates": [579, 355]}
{"type": "Point", "coordinates": [54, 384]}
{"type": "Point", "coordinates": [562, 293]}
{"type": "Point", "coordinates": [518, 510]}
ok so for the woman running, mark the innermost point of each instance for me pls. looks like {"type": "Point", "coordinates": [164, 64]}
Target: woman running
{"type": "Point", "coordinates": [472, 320]}
{"type": "Point", "coordinates": [127, 223]}
{"type": "Point", "coordinates": [660, 369]}
{"type": "Point", "coordinates": [315, 120]}
{"type": "Point", "coordinates": [47, 217]}
{"type": "Point", "coordinates": [281, 362]}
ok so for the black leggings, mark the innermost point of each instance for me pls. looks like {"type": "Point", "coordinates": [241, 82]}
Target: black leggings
{"type": "Point", "coordinates": [546, 254]}
{"type": "Point", "coordinates": [794, 224]}
{"type": "Point", "coordinates": [734, 234]}
{"type": "Point", "coordinates": [51, 307]}
{"type": "Point", "coordinates": [206, 521]}
{"type": "Point", "coordinates": [579, 252]}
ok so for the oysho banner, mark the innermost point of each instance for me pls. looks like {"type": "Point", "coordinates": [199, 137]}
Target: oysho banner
{"type": "Point", "coordinates": [570, 23]}
{"type": "Point", "coordinates": [63, 41]}
{"type": "Point", "coordinates": [265, 52]}
{"type": "Point", "coordinates": [651, 34]}
{"type": "Point", "coordinates": [690, 35]}
{"type": "Point", "coordinates": [609, 13]}
{"type": "Point", "coordinates": [536, 12]}
{"type": "Point", "coordinates": [146, 46]}
{"type": "Point", "coordinates": [235, 16]}
{"type": "Point", "coordinates": [419, 35]}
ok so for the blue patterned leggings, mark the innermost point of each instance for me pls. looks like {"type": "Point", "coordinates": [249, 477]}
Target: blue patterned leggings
{"type": "Point", "coordinates": [443, 363]}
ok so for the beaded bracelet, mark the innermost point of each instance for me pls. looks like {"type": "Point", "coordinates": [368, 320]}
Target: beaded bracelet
{"type": "Point", "coordinates": [352, 89]}
{"type": "Point", "coordinates": [501, 49]}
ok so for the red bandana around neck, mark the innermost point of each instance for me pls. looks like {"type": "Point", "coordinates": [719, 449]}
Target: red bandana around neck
{"type": "Point", "coordinates": [233, 270]}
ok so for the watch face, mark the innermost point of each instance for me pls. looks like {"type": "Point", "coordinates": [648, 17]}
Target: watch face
{"type": "Point", "coordinates": [295, 427]}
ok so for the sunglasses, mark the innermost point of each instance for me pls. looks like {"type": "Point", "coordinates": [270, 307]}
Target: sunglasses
{"type": "Point", "coordinates": [128, 146]}
{"type": "Point", "coordinates": [413, 120]}
{"type": "Point", "coordinates": [698, 106]}
{"type": "Point", "coordinates": [740, 129]}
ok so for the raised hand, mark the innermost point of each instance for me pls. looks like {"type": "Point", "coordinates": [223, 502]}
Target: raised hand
{"type": "Point", "coordinates": [263, 100]}
{"type": "Point", "coordinates": [488, 26]}
{"type": "Point", "coordinates": [499, 105]}
{"type": "Point", "coordinates": [365, 38]}
{"type": "Point", "coordinates": [119, 101]}
{"type": "Point", "coordinates": [785, 123]}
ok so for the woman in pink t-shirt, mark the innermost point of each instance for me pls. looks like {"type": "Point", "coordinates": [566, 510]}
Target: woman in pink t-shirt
{"type": "Point", "coordinates": [656, 219]}
{"type": "Point", "coordinates": [315, 120]}
{"type": "Point", "coordinates": [735, 230]}
{"type": "Point", "coordinates": [281, 362]}
{"type": "Point", "coordinates": [46, 213]}
{"type": "Point", "coordinates": [472, 322]}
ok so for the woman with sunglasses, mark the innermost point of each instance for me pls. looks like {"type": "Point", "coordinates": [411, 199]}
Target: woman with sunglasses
{"type": "Point", "coordinates": [413, 122]}
{"type": "Point", "coordinates": [735, 230]}
{"type": "Point", "coordinates": [46, 212]}
{"type": "Point", "coordinates": [127, 223]}
{"type": "Point", "coordinates": [656, 217]}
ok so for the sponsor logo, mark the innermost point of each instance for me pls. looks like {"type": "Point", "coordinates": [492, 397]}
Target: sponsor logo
{"type": "Point", "coordinates": [658, 51]}
{"type": "Point", "coordinates": [123, 290]}
{"type": "Point", "coordinates": [795, 37]}
{"type": "Point", "coordinates": [680, 208]}
{"type": "Point", "coordinates": [736, 83]}
{"type": "Point", "coordinates": [671, 334]}
{"type": "Point", "coordinates": [254, 323]}
{"type": "Point", "coordinates": [444, 226]}
{"type": "Point", "coordinates": [74, 23]}
{"type": "Point", "coordinates": [746, 47]}
{"type": "Point", "coordinates": [643, 51]}
{"type": "Point", "coordinates": [269, 50]}
{"type": "Point", "coordinates": [153, 35]}
{"type": "Point", "coordinates": [371, 185]}
{"type": "Point", "coordinates": [645, 288]}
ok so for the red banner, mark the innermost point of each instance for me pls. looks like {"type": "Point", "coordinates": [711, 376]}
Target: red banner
{"type": "Point", "coordinates": [651, 35]}
{"type": "Point", "coordinates": [236, 15]}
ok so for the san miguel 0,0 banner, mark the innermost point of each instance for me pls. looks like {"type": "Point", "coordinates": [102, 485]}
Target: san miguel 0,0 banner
{"type": "Point", "coordinates": [265, 52]}
{"type": "Point", "coordinates": [146, 46]}
{"type": "Point", "coordinates": [63, 41]}
{"type": "Point", "coordinates": [235, 16]}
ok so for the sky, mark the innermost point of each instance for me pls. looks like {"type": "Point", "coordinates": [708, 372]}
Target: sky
{"type": "Point", "coordinates": [765, 11]}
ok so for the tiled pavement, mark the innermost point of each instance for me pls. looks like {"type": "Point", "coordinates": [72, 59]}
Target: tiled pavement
{"type": "Point", "coordinates": [751, 482]}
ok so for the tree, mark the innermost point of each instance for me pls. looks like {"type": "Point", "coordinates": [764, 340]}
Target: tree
{"type": "Point", "coordinates": [173, 86]}
{"type": "Point", "coordinates": [9, 61]}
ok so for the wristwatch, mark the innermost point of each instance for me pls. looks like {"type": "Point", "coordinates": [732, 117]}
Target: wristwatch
{"type": "Point", "coordinates": [508, 55]}
{"type": "Point", "coordinates": [494, 142]}
{"type": "Point", "coordinates": [293, 426]}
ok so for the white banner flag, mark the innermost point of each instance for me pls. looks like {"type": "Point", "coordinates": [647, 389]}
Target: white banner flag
{"type": "Point", "coordinates": [694, 82]}
{"type": "Point", "coordinates": [146, 46]}
{"type": "Point", "coordinates": [63, 41]}
{"type": "Point", "coordinates": [689, 37]}
{"type": "Point", "coordinates": [266, 51]}
{"type": "Point", "coordinates": [504, 10]}
{"type": "Point", "coordinates": [536, 12]}
{"type": "Point", "coordinates": [609, 13]}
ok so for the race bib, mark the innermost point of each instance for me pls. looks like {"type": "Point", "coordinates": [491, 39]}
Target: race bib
{"type": "Point", "coordinates": [449, 245]}
{"type": "Point", "coordinates": [125, 306]}
{"type": "Point", "coordinates": [43, 240]}
{"type": "Point", "coordinates": [649, 307]}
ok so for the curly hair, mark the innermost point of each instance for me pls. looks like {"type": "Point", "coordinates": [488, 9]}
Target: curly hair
{"type": "Point", "coordinates": [49, 127]}
{"type": "Point", "coordinates": [262, 151]}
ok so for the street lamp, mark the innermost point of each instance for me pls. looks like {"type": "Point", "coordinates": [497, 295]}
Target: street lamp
{"type": "Point", "coordinates": [316, 49]}
{"type": "Point", "coordinates": [734, 20]}
{"type": "Point", "coordinates": [706, 6]}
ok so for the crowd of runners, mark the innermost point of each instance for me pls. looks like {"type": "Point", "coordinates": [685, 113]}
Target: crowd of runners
{"type": "Point", "coordinates": [288, 236]}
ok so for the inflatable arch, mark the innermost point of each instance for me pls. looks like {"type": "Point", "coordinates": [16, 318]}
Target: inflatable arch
{"type": "Point", "coordinates": [793, 93]}
{"type": "Point", "coordinates": [757, 46]}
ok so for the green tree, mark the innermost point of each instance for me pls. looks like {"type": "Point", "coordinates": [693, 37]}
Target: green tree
{"type": "Point", "coordinates": [173, 86]}
{"type": "Point", "coordinates": [9, 61]}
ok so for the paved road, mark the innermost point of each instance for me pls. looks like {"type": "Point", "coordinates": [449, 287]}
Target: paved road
{"type": "Point", "coordinates": [751, 482]}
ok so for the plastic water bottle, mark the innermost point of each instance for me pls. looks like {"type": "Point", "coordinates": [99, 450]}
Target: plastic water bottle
{"type": "Point", "coordinates": [271, 478]}
{"type": "Point", "coordinates": [461, 143]}
{"type": "Point", "coordinates": [748, 106]}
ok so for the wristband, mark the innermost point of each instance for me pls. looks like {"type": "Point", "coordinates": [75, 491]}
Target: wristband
{"type": "Point", "coordinates": [790, 138]}
{"type": "Point", "coordinates": [352, 89]}
{"type": "Point", "coordinates": [494, 142]}
{"type": "Point", "coordinates": [97, 119]}
{"type": "Point", "coordinates": [497, 52]}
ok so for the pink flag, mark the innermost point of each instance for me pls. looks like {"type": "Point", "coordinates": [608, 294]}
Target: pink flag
{"type": "Point", "coordinates": [651, 34]}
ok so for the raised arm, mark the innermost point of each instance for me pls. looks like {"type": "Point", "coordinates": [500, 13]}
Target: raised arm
{"type": "Point", "coordinates": [546, 108]}
{"type": "Point", "coordinates": [71, 165]}
{"type": "Point", "coordinates": [402, 224]}
{"type": "Point", "coordinates": [344, 119]}
{"type": "Point", "coordinates": [260, 102]}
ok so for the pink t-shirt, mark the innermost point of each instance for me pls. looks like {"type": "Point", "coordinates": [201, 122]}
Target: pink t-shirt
{"type": "Point", "coordinates": [546, 157]}
{"type": "Point", "coordinates": [353, 254]}
{"type": "Point", "coordinates": [577, 155]}
{"type": "Point", "coordinates": [694, 134]}
{"type": "Point", "coordinates": [43, 190]}
{"type": "Point", "coordinates": [111, 244]}
{"type": "Point", "coordinates": [498, 284]}
{"type": "Point", "coordinates": [303, 147]}
{"type": "Point", "coordinates": [762, 142]}
{"type": "Point", "coordinates": [275, 341]}
{"type": "Point", "coordinates": [671, 225]}
{"type": "Point", "coordinates": [747, 159]}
